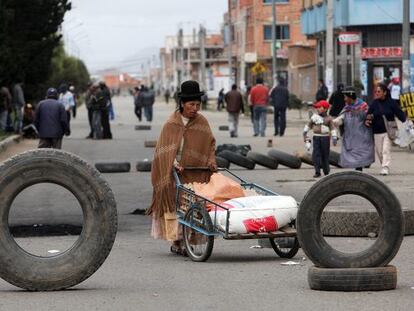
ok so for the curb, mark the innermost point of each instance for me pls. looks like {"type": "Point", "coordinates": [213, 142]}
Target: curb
{"type": "Point", "coordinates": [14, 139]}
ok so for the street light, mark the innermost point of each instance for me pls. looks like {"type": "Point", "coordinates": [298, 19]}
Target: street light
{"type": "Point", "coordinates": [274, 48]}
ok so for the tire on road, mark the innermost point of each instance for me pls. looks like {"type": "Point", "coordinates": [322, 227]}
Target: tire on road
{"type": "Point", "coordinates": [305, 157]}
{"type": "Point", "coordinates": [150, 143]}
{"type": "Point", "coordinates": [113, 167]}
{"type": "Point", "coordinates": [237, 159]}
{"type": "Point", "coordinates": [352, 279]}
{"type": "Point", "coordinates": [144, 166]}
{"type": "Point", "coordinates": [285, 158]}
{"type": "Point", "coordinates": [222, 162]}
{"type": "Point", "coordinates": [94, 244]}
{"type": "Point", "coordinates": [334, 158]}
{"type": "Point", "coordinates": [263, 160]}
{"type": "Point", "coordinates": [308, 221]}
{"type": "Point", "coordinates": [142, 127]}
{"type": "Point", "coordinates": [223, 128]}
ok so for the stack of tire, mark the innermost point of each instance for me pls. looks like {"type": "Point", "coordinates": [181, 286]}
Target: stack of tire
{"type": "Point", "coordinates": [366, 270]}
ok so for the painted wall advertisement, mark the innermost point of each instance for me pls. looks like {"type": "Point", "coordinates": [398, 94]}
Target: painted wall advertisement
{"type": "Point", "coordinates": [407, 104]}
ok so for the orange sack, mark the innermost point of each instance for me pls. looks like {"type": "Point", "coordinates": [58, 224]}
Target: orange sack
{"type": "Point", "coordinates": [220, 188]}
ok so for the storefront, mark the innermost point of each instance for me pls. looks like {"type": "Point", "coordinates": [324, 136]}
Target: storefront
{"type": "Point", "coordinates": [379, 64]}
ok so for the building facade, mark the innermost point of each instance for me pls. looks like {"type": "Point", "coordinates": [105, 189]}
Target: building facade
{"type": "Point", "coordinates": [375, 54]}
{"type": "Point", "coordinates": [249, 38]}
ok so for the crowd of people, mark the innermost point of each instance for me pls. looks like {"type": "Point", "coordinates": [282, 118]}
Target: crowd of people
{"type": "Point", "coordinates": [144, 98]}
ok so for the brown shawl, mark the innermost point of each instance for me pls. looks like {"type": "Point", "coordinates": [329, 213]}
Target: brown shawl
{"type": "Point", "coordinates": [198, 150]}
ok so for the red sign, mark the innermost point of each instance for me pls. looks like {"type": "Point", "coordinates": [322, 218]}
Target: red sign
{"type": "Point", "coordinates": [388, 52]}
{"type": "Point", "coordinates": [348, 38]}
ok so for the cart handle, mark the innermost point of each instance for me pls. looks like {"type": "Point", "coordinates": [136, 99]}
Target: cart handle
{"type": "Point", "coordinates": [203, 168]}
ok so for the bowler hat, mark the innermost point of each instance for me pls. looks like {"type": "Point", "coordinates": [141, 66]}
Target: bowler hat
{"type": "Point", "coordinates": [190, 90]}
{"type": "Point", "coordinates": [52, 93]}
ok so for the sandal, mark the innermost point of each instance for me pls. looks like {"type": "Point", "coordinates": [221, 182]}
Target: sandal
{"type": "Point", "coordinates": [178, 250]}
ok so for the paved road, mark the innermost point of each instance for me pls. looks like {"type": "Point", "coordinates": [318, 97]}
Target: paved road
{"type": "Point", "coordinates": [141, 274]}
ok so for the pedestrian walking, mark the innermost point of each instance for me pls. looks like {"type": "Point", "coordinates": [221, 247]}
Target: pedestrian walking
{"type": "Point", "coordinates": [395, 89]}
{"type": "Point", "coordinates": [98, 105]}
{"type": "Point", "coordinates": [381, 111]}
{"type": "Point", "coordinates": [279, 97]}
{"type": "Point", "coordinates": [88, 103]}
{"type": "Point", "coordinates": [259, 98]}
{"type": "Point", "coordinates": [323, 129]}
{"type": "Point", "coordinates": [220, 100]}
{"type": "Point", "coordinates": [357, 150]}
{"type": "Point", "coordinates": [106, 126]}
{"type": "Point", "coordinates": [234, 104]}
{"type": "Point", "coordinates": [146, 99]}
{"type": "Point", "coordinates": [137, 104]}
{"type": "Point", "coordinates": [322, 93]}
{"type": "Point", "coordinates": [67, 99]}
{"type": "Point", "coordinates": [186, 140]}
{"type": "Point", "coordinates": [337, 101]}
{"type": "Point", "coordinates": [167, 95]}
{"type": "Point", "coordinates": [75, 100]}
{"type": "Point", "coordinates": [5, 106]}
{"type": "Point", "coordinates": [18, 103]}
{"type": "Point", "coordinates": [51, 121]}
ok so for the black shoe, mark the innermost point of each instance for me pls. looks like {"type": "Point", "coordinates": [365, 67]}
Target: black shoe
{"type": "Point", "coordinates": [254, 135]}
{"type": "Point", "coordinates": [317, 175]}
{"type": "Point", "coordinates": [275, 134]}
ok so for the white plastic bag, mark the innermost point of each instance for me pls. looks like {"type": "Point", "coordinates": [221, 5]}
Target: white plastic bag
{"type": "Point", "coordinates": [405, 134]}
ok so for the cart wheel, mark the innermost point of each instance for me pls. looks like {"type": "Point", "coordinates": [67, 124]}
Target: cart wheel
{"type": "Point", "coordinates": [198, 245]}
{"type": "Point", "coordinates": [285, 247]}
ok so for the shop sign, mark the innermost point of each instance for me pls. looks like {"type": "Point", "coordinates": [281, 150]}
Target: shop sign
{"type": "Point", "coordinates": [407, 104]}
{"type": "Point", "coordinates": [385, 52]}
{"type": "Point", "coordinates": [348, 38]}
{"type": "Point", "coordinates": [250, 57]}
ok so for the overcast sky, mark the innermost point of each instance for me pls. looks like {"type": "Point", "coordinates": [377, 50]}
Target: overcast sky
{"type": "Point", "coordinates": [106, 33]}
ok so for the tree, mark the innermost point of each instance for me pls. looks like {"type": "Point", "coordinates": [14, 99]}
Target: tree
{"type": "Point", "coordinates": [29, 34]}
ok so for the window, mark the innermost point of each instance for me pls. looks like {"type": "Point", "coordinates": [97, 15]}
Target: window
{"type": "Point", "coordinates": [282, 32]}
{"type": "Point", "coordinates": [277, 1]}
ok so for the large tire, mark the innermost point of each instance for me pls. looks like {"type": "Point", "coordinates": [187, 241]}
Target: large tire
{"type": "Point", "coordinates": [382, 198]}
{"type": "Point", "coordinates": [144, 166]}
{"type": "Point", "coordinates": [222, 162]}
{"type": "Point", "coordinates": [285, 158]}
{"type": "Point", "coordinates": [142, 127]}
{"type": "Point", "coordinates": [113, 167]}
{"type": "Point", "coordinates": [334, 158]}
{"type": "Point", "coordinates": [353, 279]}
{"type": "Point", "coordinates": [99, 220]}
{"type": "Point", "coordinates": [223, 128]}
{"type": "Point", "coordinates": [198, 246]}
{"type": "Point", "coordinates": [150, 143]}
{"type": "Point", "coordinates": [305, 157]}
{"type": "Point", "coordinates": [237, 159]}
{"type": "Point", "coordinates": [263, 160]}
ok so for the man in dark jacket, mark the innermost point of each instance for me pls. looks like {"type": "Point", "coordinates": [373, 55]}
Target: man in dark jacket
{"type": "Point", "coordinates": [234, 104]}
{"type": "Point", "coordinates": [322, 93]}
{"type": "Point", "coordinates": [337, 101]}
{"type": "Point", "coordinates": [106, 127]}
{"type": "Point", "coordinates": [279, 97]}
{"type": "Point", "coordinates": [51, 121]}
{"type": "Point", "coordinates": [146, 99]}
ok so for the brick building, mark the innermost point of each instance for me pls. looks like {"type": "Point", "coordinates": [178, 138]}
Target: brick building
{"type": "Point", "coordinates": [249, 24]}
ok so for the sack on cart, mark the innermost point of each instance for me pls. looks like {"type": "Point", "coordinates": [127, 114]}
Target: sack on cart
{"type": "Point", "coordinates": [255, 214]}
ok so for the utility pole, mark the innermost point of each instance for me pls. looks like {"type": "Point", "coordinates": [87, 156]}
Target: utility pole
{"type": "Point", "coordinates": [274, 47]}
{"type": "Point", "coordinates": [181, 65]}
{"type": "Point", "coordinates": [243, 48]}
{"type": "Point", "coordinates": [329, 78]}
{"type": "Point", "coordinates": [406, 46]}
{"type": "Point", "coordinates": [229, 48]}
{"type": "Point", "coordinates": [202, 40]}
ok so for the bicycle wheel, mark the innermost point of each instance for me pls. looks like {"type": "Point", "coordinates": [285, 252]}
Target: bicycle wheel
{"type": "Point", "coordinates": [198, 245]}
{"type": "Point", "coordinates": [285, 247]}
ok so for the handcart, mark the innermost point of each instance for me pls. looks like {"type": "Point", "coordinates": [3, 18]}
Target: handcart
{"type": "Point", "coordinates": [199, 230]}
